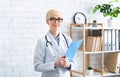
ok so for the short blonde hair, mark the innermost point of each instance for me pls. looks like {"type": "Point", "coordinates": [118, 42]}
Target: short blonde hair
{"type": "Point", "coordinates": [52, 13]}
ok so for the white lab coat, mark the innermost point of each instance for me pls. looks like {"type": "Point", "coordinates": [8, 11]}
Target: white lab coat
{"type": "Point", "coordinates": [45, 57]}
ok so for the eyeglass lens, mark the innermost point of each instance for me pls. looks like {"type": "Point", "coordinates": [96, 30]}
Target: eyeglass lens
{"type": "Point", "coordinates": [56, 19]}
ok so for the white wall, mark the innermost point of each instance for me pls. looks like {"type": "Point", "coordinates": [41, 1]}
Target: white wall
{"type": "Point", "coordinates": [22, 22]}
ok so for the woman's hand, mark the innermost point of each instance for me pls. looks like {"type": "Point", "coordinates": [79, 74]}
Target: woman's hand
{"type": "Point", "coordinates": [63, 62]}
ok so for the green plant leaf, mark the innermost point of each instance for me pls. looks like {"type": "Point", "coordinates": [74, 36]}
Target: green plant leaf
{"type": "Point", "coordinates": [116, 9]}
{"type": "Point", "coordinates": [115, 15]}
{"type": "Point", "coordinates": [96, 8]}
{"type": "Point", "coordinates": [108, 9]}
{"type": "Point", "coordinates": [116, 0]}
{"type": "Point", "coordinates": [105, 14]}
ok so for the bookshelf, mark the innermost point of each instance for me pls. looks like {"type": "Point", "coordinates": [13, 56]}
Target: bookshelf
{"type": "Point", "coordinates": [86, 54]}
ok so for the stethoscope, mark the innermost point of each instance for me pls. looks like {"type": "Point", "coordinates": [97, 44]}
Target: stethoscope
{"type": "Point", "coordinates": [48, 42]}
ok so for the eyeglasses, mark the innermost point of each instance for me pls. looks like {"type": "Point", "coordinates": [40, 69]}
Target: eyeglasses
{"type": "Point", "coordinates": [52, 19]}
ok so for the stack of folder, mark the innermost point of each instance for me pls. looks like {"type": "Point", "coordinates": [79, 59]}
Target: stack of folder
{"type": "Point", "coordinates": [111, 40]}
{"type": "Point", "coordinates": [93, 44]}
{"type": "Point", "coordinates": [94, 41]}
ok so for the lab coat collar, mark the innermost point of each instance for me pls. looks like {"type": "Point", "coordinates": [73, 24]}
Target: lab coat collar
{"type": "Point", "coordinates": [53, 41]}
{"type": "Point", "coordinates": [51, 38]}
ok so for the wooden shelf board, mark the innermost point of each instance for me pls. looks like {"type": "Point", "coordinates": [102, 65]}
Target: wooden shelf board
{"type": "Point", "coordinates": [96, 74]}
{"type": "Point", "coordinates": [107, 28]}
{"type": "Point", "coordinates": [110, 74]}
{"type": "Point", "coordinates": [101, 52]}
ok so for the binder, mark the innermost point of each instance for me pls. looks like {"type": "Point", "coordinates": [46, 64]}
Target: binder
{"type": "Point", "coordinates": [116, 40]}
{"type": "Point", "coordinates": [109, 46]}
{"type": "Point", "coordinates": [119, 39]}
{"type": "Point", "coordinates": [113, 40]}
{"type": "Point", "coordinates": [105, 40]}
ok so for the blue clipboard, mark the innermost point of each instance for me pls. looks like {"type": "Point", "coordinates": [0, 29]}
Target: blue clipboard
{"type": "Point", "coordinates": [74, 46]}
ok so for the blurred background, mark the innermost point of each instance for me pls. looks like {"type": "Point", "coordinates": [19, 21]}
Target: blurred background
{"type": "Point", "coordinates": [22, 22]}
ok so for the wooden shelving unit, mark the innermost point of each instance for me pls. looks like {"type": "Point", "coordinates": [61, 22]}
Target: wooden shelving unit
{"type": "Point", "coordinates": [99, 72]}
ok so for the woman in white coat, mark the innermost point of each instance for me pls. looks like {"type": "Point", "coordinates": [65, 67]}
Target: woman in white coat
{"type": "Point", "coordinates": [50, 50]}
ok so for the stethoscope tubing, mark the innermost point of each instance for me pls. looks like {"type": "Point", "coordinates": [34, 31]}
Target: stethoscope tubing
{"type": "Point", "coordinates": [48, 42]}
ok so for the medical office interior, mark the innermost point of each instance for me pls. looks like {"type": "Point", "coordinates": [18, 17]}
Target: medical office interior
{"type": "Point", "coordinates": [22, 22]}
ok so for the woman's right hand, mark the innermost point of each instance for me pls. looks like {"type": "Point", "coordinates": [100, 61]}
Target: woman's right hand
{"type": "Point", "coordinates": [63, 62]}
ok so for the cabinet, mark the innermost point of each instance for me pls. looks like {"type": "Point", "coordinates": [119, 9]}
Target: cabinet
{"type": "Point", "coordinates": [86, 55]}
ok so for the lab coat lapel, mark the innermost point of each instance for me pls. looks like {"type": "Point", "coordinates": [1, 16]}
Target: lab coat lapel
{"type": "Point", "coordinates": [62, 44]}
{"type": "Point", "coordinates": [61, 40]}
{"type": "Point", "coordinates": [53, 41]}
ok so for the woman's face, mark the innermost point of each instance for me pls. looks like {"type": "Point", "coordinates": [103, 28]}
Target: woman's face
{"type": "Point", "coordinates": [54, 23]}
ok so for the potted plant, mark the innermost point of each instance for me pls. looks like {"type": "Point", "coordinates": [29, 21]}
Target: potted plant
{"type": "Point", "coordinates": [90, 71]}
{"type": "Point", "coordinates": [108, 10]}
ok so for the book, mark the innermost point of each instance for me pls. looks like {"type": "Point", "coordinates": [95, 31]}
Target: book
{"type": "Point", "coordinates": [90, 45]}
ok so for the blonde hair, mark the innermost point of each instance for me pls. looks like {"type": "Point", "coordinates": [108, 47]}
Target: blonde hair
{"type": "Point", "coordinates": [52, 13]}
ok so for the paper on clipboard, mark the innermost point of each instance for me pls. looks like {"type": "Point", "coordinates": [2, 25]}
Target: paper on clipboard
{"type": "Point", "coordinates": [73, 49]}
